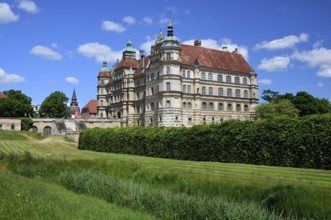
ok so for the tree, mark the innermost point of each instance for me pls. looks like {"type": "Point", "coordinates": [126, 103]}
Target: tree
{"type": "Point", "coordinates": [281, 107]}
{"type": "Point", "coordinates": [54, 106]}
{"type": "Point", "coordinates": [269, 95]}
{"type": "Point", "coordinates": [16, 104]}
{"type": "Point", "coordinates": [26, 124]}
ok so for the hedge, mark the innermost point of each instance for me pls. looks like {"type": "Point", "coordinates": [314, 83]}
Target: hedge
{"type": "Point", "coordinates": [292, 142]}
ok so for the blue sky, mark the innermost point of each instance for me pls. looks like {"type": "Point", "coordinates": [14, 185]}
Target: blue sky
{"type": "Point", "coordinates": [48, 46]}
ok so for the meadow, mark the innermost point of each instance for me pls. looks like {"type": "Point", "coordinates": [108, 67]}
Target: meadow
{"type": "Point", "coordinates": [49, 178]}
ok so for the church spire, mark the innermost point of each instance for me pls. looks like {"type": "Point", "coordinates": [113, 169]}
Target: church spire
{"type": "Point", "coordinates": [74, 99]}
{"type": "Point", "coordinates": [170, 29]}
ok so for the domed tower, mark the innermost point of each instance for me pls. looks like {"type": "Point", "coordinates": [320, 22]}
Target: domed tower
{"type": "Point", "coordinates": [129, 51]}
{"type": "Point", "coordinates": [103, 79]}
{"type": "Point", "coordinates": [170, 45]}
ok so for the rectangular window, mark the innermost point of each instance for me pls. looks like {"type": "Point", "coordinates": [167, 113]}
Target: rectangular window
{"type": "Point", "coordinates": [219, 78]}
{"type": "Point", "coordinates": [238, 93]}
{"type": "Point", "coordinates": [210, 90]}
{"type": "Point", "coordinates": [203, 90]}
{"type": "Point", "coordinates": [184, 88]}
{"type": "Point", "coordinates": [229, 92]}
{"type": "Point", "coordinates": [183, 74]}
{"type": "Point", "coordinates": [168, 86]}
{"type": "Point", "coordinates": [203, 75]}
{"type": "Point", "coordinates": [238, 108]}
{"type": "Point", "coordinates": [210, 76]}
{"type": "Point", "coordinates": [220, 91]}
{"type": "Point", "coordinates": [245, 93]}
{"type": "Point", "coordinates": [236, 80]}
{"type": "Point", "coordinates": [245, 81]}
{"type": "Point", "coordinates": [228, 79]}
{"type": "Point", "coordinates": [168, 56]}
{"type": "Point", "coordinates": [188, 74]}
{"type": "Point", "coordinates": [246, 108]}
{"type": "Point", "coordinates": [188, 89]}
{"type": "Point", "coordinates": [168, 70]}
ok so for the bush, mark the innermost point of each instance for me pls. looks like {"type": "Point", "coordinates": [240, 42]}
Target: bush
{"type": "Point", "coordinates": [26, 124]}
{"type": "Point", "coordinates": [283, 141]}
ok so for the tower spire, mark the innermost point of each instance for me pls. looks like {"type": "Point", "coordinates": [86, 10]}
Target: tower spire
{"type": "Point", "coordinates": [170, 28]}
{"type": "Point", "coordinates": [74, 99]}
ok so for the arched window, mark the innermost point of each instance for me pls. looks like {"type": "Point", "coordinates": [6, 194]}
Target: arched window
{"type": "Point", "coordinates": [204, 106]}
{"type": "Point", "coordinates": [229, 108]}
{"type": "Point", "coordinates": [47, 131]}
{"type": "Point", "coordinates": [228, 79]}
{"type": "Point", "coordinates": [211, 106]}
{"type": "Point", "coordinates": [184, 104]}
{"type": "Point", "coordinates": [210, 90]}
{"type": "Point", "coordinates": [189, 105]}
{"type": "Point", "coordinates": [229, 92]}
{"type": "Point", "coordinates": [245, 94]}
{"type": "Point", "coordinates": [219, 78]}
{"type": "Point", "coordinates": [168, 56]}
{"type": "Point", "coordinates": [236, 80]}
{"type": "Point", "coordinates": [245, 81]}
{"type": "Point", "coordinates": [220, 107]}
{"type": "Point", "coordinates": [152, 106]}
{"type": "Point", "coordinates": [238, 108]}
{"type": "Point", "coordinates": [168, 104]}
{"type": "Point", "coordinates": [168, 86]}
{"type": "Point", "coordinates": [203, 90]}
{"type": "Point", "coordinates": [188, 89]}
{"type": "Point", "coordinates": [220, 91]}
{"type": "Point", "coordinates": [34, 129]}
{"type": "Point", "coordinates": [238, 93]}
{"type": "Point", "coordinates": [210, 76]}
{"type": "Point", "coordinates": [203, 75]}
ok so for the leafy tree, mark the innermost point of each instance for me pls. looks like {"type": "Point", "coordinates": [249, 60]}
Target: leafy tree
{"type": "Point", "coordinates": [26, 124]}
{"type": "Point", "coordinates": [16, 104]}
{"type": "Point", "coordinates": [269, 95]}
{"type": "Point", "coordinates": [54, 106]}
{"type": "Point", "coordinates": [281, 107]}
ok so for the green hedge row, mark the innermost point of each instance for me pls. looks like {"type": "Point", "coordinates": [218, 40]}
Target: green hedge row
{"type": "Point", "coordinates": [293, 142]}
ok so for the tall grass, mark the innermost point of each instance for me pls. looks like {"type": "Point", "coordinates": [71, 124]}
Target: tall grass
{"type": "Point", "coordinates": [170, 194]}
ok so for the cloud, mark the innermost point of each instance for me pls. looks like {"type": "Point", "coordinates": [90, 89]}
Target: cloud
{"type": "Point", "coordinates": [320, 84]}
{"type": "Point", "coordinates": [186, 11]}
{"type": "Point", "coordinates": [317, 44]}
{"type": "Point", "coordinates": [129, 20]}
{"type": "Point", "coordinates": [28, 6]}
{"type": "Point", "coordinates": [112, 26]}
{"type": "Point", "coordinates": [147, 45]}
{"type": "Point", "coordinates": [318, 57]}
{"type": "Point", "coordinates": [218, 45]}
{"type": "Point", "coordinates": [278, 63]}
{"type": "Point", "coordinates": [99, 51]}
{"type": "Point", "coordinates": [54, 45]}
{"type": "Point", "coordinates": [45, 52]}
{"type": "Point", "coordinates": [72, 80]}
{"type": "Point", "coordinates": [6, 14]}
{"type": "Point", "coordinates": [147, 20]}
{"type": "Point", "coordinates": [282, 43]}
{"type": "Point", "coordinates": [6, 78]}
{"type": "Point", "coordinates": [265, 81]}
{"type": "Point", "coordinates": [164, 20]}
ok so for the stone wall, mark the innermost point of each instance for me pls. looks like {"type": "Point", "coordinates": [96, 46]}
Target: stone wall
{"type": "Point", "coordinates": [10, 124]}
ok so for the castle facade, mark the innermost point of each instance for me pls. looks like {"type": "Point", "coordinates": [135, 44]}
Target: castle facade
{"type": "Point", "coordinates": [177, 85]}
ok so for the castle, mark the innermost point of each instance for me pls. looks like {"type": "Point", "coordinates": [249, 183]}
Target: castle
{"type": "Point", "coordinates": [177, 85]}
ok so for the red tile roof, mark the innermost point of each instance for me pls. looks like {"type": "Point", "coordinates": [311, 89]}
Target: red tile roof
{"type": "Point", "coordinates": [2, 95]}
{"type": "Point", "coordinates": [104, 74]}
{"type": "Point", "coordinates": [92, 106]}
{"type": "Point", "coordinates": [214, 59]}
{"type": "Point", "coordinates": [127, 63]}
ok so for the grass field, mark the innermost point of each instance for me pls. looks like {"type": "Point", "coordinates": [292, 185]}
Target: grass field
{"type": "Point", "coordinates": [175, 189]}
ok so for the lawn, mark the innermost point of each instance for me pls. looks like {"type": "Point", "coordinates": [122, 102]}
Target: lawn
{"type": "Point", "coordinates": [164, 188]}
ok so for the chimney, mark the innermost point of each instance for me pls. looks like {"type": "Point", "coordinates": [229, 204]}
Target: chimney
{"type": "Point", "coordinates": [197, 43]}
{"type": "Point", "coordinates": [225, 48]}
{"type": "Point", "coordinates": [235, 50]}
{"type": "Point", "coordinates": [142, 58]}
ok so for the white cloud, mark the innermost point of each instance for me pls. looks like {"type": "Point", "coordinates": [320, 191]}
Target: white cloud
{"type": "Point", "coordinates": [72, 80]}
{"type": "Point", "coordinates": [282, 43]}
{"type": "Point", "coordinates": [6, 14]}
{"type": "Point", "coordinates": [147, 20]}
{"type": "Point", "coordinates": [6, 78]}
{"type": "Point", "coordinates": [265, 81]}
{"type": "Point", "coordinates": [324, 71]}
{"type": "Point", "coordinates": [45, 52]}
{"type": "Point", "coordinates": [317, 44]}
{"type": "Point", "coordinates": [147, 45]}
{"type": "Point", "coordinates": [164, 20]}
{"type": "Point", "coordinates": [112, 26]}
{"type": "Point", "coordinates": [28, 6]}
{"type": "Point", "coordinates": [218, 45]}
{"type": "Point", "coordinates": [99, 51]}
{"type": "Point", "coordinates": [278, 63]}
{"type": "Point", "coordinates": [129, 20]}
